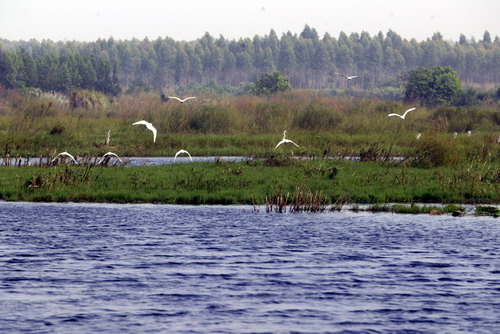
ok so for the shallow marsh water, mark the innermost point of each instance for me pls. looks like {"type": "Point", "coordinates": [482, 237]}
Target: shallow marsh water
{"type": "Point", "coordinates": [90, 268]}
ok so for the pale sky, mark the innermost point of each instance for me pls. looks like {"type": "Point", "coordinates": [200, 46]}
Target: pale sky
{"type": "Point", "coordinates": [88, 20]}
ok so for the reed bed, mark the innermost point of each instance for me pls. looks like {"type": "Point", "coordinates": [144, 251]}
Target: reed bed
{"type": "Point", "coordinates": [242, 125]}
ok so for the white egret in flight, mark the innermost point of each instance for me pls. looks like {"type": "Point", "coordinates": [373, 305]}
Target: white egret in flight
{"type": "Point", "coordinates": [182, 151]}
{"type": "Point", "coordinates": [66, 154]}
{"type": "Point", "coordinates": [284, 140]}
{"type": "Point", "coordinates": [149, 126]}
{"type": "Point", "coordinates": [404, 115]}
{"type": "Point", "coordinates": [181, 100]}
{"type": "Point", "coordinates": [109, 153]}
{"type": "Point", "coordinates": [347, 77]}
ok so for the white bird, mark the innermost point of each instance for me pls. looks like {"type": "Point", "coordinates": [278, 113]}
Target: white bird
{"type": "Point", "coordinates": [469, 133]}
{"type": "Point", "coordinates": [404, 115]}
{"type": "Point", "coordinates": [181, 100]}
{"type": "Point", "coordinates": [108, 138]}
{"type": "Point", "coordinates": [417, 137]}
{"type": "Point", "coordinates": [455, 134]}
{"type": "Point", "coordinates": [109, 153]}
{"type": "Point", "coordinates": [149, 126]}
{"type": "Point", "coordinates": [284, 140]}
{"type": "Point", "coordinates": [346, 76]}
{"type": "Point", "coordinates": [67, 154]}
{"type": "Point", "coordinates": [182, 151]}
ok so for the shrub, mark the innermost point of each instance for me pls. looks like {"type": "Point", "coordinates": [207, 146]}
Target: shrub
{"type": "Point", "coordinates": [433, 152]}
{"type": "Point", "coordinates": [270, 83]}
{"type": "Point", "coordinates": [213, 120]}
{"type": "Point", "coordinates": [87, 99]}
{"type": "Point", "coordinates": [317, 117]}
{"type": "Point", "coordinates": [432, 86]}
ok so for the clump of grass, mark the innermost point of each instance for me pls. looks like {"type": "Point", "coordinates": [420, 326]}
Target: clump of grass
{"type": "Point", "coordinates": [308, 201]}
{"type": "Point", "coordinates": [275, 159]}
{"type": "Point", "coordinates": [61, 176]}
{"type": "Point", "coordinates": [276, 203]}
{"type": "Point", "coordinates": [372, 153]}
{"type": "Point", "coordinates": [432, 152]}
{"type": "Point", "coordinates": [487, 211]}
{"type": "Point", "coordinates": [414, 209]}
{"type": "Point", "coordinates": [379, 208]}
{"type": "Point", "coordinates": [298, 201]}
{"type": "Point", "coordinates": [451, 208]}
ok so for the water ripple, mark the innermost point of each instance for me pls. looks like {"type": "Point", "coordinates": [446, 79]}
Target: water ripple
{"type": "Point", "coordinates": [93, 268]}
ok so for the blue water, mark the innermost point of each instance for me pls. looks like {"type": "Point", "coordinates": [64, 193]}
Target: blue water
{"type": "Point", "coordinates": [94, 268]}
{"type": "Point", "coordinates": [127, 161]}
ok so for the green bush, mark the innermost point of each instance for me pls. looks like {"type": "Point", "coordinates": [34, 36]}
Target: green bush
{"type": "Point", "coordinates": [211, 119]}
{"type": "Point", "coordinates": [317, 117]}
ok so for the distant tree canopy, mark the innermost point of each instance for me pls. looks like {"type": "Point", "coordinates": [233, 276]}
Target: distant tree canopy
{"type": "Point", "coordinates": [432, 86]}
{"type": "Point", "coordinates": [271, 83]}
{"type": "Point", "coordinates": [307, 59]}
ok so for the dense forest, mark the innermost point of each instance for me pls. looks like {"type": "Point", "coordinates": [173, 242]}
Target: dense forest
{"type": "Point", "coordinates": [309, 61]}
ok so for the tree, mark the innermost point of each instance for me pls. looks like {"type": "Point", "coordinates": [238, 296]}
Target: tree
{"type": "Point", "coordinates": [115, 84]}
{"type": "Point", "coordinates": [7, 70]}
{"type": "Point", "coordinates": [487, 37]}
{"type": "Point", "coordinates": [271, 83]}
{"type": "Point", "coordinates": [432, 86]}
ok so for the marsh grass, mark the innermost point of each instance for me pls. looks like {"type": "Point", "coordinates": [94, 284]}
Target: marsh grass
{"type": "Point", "coordinates": [244, 125]}
{"type": "Point", "coordinates": [297, 185]}
{"type": "Point", "coordinates": [487, 211]}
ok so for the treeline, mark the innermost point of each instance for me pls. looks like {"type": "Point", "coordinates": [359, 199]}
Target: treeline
{"type": "Point", "coordinates": [306, 59]}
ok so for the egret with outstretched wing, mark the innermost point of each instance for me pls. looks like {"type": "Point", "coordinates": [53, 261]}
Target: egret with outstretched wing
{"type": "Point", "coordinates": [347, 76]}
{"type": "Point", "coordinates": [182, 151]}
{"type": "Point", "coordinates": [404, 115]}
{"type": "Point", "coordinates": [107, 154]}
{"type": "Point", "coordinates": [149, 126]}
{"type": "Point", "coordinates": [66, 154]}
{"type": "Point", "coordinates": [181, 100]}
{"type": "Point", "coordinates": [284, 140]}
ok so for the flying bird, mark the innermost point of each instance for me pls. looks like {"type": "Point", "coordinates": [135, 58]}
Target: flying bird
{"type": "Point", "coordinates": [404, 115]}
{"type": "Point", "coordinates": [149, 126]}
{"type": "Point", "coordinates": [284, 140]}
{"type": "Point", "coordinates": [109, 153]}
{"type": "Point", "coordinates": [181, 100]}
{"type": "Point", "coordinates": [182, 151]}
{"type": "Point", "coordinates": [347, 77]}
{"type": "Point", "coordinates": [66, 154]}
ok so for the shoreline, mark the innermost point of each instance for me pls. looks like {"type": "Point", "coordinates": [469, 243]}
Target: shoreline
{"type": "Point", "coordinates": [469, 210]}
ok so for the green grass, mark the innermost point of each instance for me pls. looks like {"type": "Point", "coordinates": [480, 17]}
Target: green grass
{"type": "Point", "coordinates": [301, 183]}
{"type": "Point", "coordinates": [438, 168]}
{"type": "Point", "coordinates": [247, 125]}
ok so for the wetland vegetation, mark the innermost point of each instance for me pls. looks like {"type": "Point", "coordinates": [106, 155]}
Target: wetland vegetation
{"type": "Point", "coordinates": [445, 151]}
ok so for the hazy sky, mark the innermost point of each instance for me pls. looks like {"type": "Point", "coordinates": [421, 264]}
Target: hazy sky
{"type": "Point", "coordinates": [88, 20]}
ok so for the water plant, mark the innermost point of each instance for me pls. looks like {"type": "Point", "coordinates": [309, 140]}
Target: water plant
{"type": "Point", "coordinates": [487, 211]}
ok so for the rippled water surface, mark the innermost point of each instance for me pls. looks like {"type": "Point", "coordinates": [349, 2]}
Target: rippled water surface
{"type": "Point", "coordinates": [87, 268]}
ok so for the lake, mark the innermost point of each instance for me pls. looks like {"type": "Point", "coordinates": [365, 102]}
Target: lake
{"type": "Point", "coordinates": [109, 268]}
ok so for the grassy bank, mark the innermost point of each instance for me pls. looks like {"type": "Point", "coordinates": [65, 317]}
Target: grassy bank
{"type": "Point", "coordinates": [243, 125]}
{"type": "Point", "coordinates": [272, 181]}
